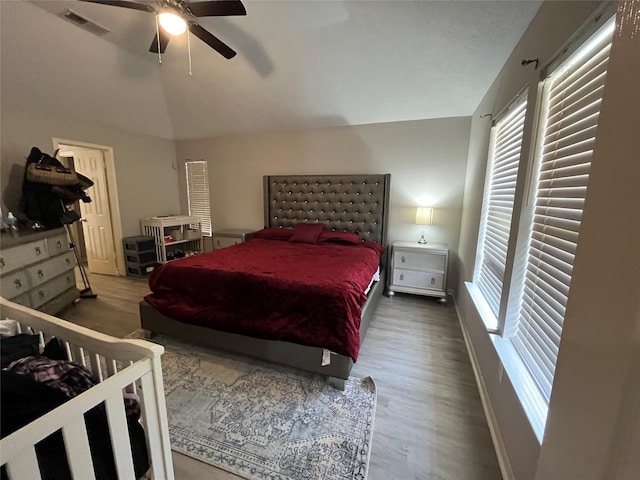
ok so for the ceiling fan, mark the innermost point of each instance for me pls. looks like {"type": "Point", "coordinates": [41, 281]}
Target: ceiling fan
{"type": "Point", "coordinates": [175, 16]}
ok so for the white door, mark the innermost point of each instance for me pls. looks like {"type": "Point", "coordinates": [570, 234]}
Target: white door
{"type": "Point", "coordinates": [96, 226]}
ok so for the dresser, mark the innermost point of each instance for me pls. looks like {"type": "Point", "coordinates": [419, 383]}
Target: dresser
{"type": "Point", "coordinates": [37, 270]}
{"type": "Point", "coordinates": [230, 236]}
{"type": "Point", "coordinates": [419, 269]}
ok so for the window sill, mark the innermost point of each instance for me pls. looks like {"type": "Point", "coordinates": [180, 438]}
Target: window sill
{"type": "Point", "coordinates": [533, 403]}
{"type": "Point", "coordinates": [531, 399]}
{"type": "Point", "coordinates": [482, 307]}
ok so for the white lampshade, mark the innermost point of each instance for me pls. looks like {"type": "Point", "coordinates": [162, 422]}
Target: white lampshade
{"type": "Point", "coordinates": [424, 215]}
{"type": "Point", "coordinates": [172, 23]}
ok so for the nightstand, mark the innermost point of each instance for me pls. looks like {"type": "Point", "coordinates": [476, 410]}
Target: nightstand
{"type": "Point", "coordinates": [230, 236]}
{"type": "Point", "coordinates": [419, 269]}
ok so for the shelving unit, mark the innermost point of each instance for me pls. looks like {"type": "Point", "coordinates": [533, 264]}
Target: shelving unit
{"type": "Point", "coordinates": [175, 237]}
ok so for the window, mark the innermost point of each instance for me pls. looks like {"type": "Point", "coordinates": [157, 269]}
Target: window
{"type": "Point", "coordinates": [523, 270]}
{"type": "Point", "coordinates": [198, 192]}
{"type": "Point", "coordinates": [497, 205]}
{"type": "Point", "coordinates": [571, 99]}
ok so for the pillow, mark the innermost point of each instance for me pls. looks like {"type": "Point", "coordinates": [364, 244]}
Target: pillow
{"type": "Point", "coordinates": [272, 233]}
{"type": "Point", "coordinates": [307, 233]}
{"type": "Point", "coordinates": [351, 238]}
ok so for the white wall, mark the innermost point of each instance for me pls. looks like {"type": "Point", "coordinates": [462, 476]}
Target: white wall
{"type": "Point", "coordinates": [426, 160]}
{"type": "Point", "coordinates": [145, 166]}
{"type": "Point", "coordinates": [593, 392]}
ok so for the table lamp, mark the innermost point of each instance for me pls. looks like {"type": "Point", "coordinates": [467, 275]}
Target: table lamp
{"type": "Point", "coordinates": [424, 215]}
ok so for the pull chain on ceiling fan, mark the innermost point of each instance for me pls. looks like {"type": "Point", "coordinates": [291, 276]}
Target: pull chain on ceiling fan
{"type": "Point", "coordinates": [174, 17]}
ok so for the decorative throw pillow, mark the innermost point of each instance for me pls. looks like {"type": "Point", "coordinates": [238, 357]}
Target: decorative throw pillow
{"type": "Point", "coordinates": [307, 233]}
{"type": "Point", "coordinates": [350, 238]}
{"type": "Point", "coordinates": [274, 233]}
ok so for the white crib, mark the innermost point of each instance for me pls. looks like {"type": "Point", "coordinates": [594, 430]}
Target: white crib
{"type": "Point", "coordinates": [118, 365]}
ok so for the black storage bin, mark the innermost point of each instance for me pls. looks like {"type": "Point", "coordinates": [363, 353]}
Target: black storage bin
{"type": "Point", "coordinates": [139, 244]}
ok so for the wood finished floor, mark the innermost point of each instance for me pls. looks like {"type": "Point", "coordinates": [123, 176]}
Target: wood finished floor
{"type": "Point", "coordinates": [429, 421]}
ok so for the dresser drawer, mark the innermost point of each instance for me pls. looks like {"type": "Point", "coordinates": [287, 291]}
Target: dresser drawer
{"type": "Point", "coordinates": [20, 255]}
{"type": "Point", "coordinates": [48, 290]}
{"type": "Point", "coordinates": [24, 299]}
{"type": "Point", "coordinates": [58, 244]}
{"type": "Point", "coordinates": [14, 284]}
{"type": "Point", "coordinates": [45, 271]}
{"type": "Point", "coordinates": [419, 260]}
{"type": "Point", "coordinates": [418, 279]}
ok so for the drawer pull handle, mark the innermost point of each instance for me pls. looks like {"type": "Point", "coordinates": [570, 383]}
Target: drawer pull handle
{"type": "Point", "coordinates": [59, 244]}
{"type": "Point", "coordinates": [40, 274]}
{"type": "Point", "coordinates": [41, 293]}
{"type": "Point", "coordinates": [433, 281]}
{"type": "Point", "coordinates": [38, 251]}
{"type": "Point", "coordinates": [18, 283]}
{"type": "Point", "coordinates": [68, 261]}
{"type": "Point", "coordinates": [403, 259]}
{"type": "Point", "coordinates": [1, 262]}
{"type": "Point", "coordinates": [402, 276]}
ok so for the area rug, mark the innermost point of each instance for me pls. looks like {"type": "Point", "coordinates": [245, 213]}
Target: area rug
{"type": "Point", "coordinates": [263, 421]}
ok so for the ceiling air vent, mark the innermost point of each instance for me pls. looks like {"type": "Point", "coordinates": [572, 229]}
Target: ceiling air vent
{"type": "Point", "coordinates": [84, 22]}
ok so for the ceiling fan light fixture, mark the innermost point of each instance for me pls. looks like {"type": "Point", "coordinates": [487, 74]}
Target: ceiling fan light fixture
{"type": "Point", "coordinates": [172, 23]}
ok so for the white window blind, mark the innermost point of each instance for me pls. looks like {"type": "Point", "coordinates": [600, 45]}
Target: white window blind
{"type": "Point", "coordinates": [198, 192]}
{"type": "Point", "coordinates": [570, 108]}
{"type": "Point", "coordinates": [497, 204]}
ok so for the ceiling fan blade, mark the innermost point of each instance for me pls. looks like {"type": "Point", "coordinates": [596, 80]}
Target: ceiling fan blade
{"type": "Point", "coordinates": [215, 43]}
{"type": "Point", "coordinates": [164, 41]}
{"type": "Point", "coordinates": [216, 8]}
{"type": "Point", "coordinates": [123, 3]}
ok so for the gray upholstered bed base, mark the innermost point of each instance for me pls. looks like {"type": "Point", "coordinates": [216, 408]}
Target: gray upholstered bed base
{"type": "Point", "coordinates": [286, 353]}
{"type": "Point", "coordinates": [357, 203]}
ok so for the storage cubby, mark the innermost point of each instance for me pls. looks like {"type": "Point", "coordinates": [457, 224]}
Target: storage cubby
{"type": "Point", "coordinates": [174, 237]}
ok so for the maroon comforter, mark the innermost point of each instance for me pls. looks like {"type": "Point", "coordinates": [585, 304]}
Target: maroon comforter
{"type": "Point", "coordinates": [311, 294]}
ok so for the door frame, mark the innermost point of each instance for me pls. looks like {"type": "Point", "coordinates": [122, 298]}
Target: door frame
{"type": "Point", "coordinates": [112, 193]}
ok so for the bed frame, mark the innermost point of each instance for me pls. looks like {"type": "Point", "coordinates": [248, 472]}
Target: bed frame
{"type": "Point", "coordinates": [353, 203]}
{"type": "Point", "coordinates": [131, 365]}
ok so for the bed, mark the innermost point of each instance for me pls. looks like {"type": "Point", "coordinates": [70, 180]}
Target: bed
{"type": "Point", "coordinates": [342, 203]}
{"type": "Point", "coordinates": [118, 368]}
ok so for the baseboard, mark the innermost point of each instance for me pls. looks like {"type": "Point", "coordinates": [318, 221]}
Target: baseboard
{"type": "Point", "coordinates": [496, 437]}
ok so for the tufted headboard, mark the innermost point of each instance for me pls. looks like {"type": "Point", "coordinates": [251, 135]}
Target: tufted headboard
{"type": "Point", "coordinates": [352, 203]}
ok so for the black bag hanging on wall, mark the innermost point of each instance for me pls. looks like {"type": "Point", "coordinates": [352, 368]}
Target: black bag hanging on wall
{"type": "Point", "coordinates": [43, 187]}
{"type": "Point", "coordinates": [60, 176]}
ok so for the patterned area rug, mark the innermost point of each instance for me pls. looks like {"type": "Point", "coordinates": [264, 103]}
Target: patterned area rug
{"type": "Point", "coordinates": [264, 421]}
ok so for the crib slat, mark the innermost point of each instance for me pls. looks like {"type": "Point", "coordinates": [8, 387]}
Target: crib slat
{"type": "Point", "coordinates": [24, 465]}
{"type": "Point", "coordinates": [112, 366]}
{"type": "Point", "coordinates": [118, 429]}
{"type": "Point", "coordinates": [149, 407]}
{"type": "Point", "coordinates": [96, 367]}
{"type": "Point", "coordinates": [78, 355]}
{"type": "Point", "coordinates": [77, 446]}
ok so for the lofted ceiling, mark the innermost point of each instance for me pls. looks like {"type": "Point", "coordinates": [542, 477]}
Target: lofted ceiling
{"type": "Point", "coordinates": [300, 64]}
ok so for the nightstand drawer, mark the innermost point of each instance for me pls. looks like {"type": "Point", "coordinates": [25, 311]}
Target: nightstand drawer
{"type": "Point", "coordinates": [230, 236]}
{"type": "Point", "coordinates": [419, 260]}
{"type": "Point", "coordinates": [418, 279]}
{"type": "Point", "coordinates": [223, 242]}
